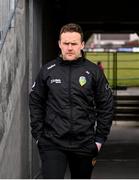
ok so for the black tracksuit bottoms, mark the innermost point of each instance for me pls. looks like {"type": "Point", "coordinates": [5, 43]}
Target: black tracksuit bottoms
{"type": "Point", "coordinates": [54, 164]}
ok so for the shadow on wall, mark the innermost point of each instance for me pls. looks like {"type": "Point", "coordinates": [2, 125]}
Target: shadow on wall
{"type": "Point", "coordinates": [2, 129]}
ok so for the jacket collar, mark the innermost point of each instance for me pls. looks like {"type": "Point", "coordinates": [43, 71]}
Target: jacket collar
{"type": "Point", "coordinates": [78, 61]}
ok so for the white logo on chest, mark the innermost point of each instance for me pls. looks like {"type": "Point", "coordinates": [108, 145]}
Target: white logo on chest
{"type": "Point", "coordinates": [55, 81]}
{"type": "Point", "coordinates": [53, 65]}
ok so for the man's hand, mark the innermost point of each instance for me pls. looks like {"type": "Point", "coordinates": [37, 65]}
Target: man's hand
{"type": "Point", "coordinates": [98, 146]}
{"type": "Point", "coordinates": [37, 141]}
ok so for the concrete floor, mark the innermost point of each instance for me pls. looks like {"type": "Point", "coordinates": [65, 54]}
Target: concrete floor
{"type": "Point", "coordinates": [129, 91]}
{"type": "Point", "coordinates": [119, 157]}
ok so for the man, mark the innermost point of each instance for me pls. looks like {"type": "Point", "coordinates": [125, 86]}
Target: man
{"type": "Point", "coordinates": [71, 107]}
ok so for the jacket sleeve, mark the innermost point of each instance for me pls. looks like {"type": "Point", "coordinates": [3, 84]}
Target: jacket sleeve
{"type": "Point", "coordinates": [104, 107]}
{"type": "Point", "coordinates": [37, 105]}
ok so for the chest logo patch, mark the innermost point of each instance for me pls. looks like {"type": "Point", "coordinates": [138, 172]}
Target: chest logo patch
{"type": "Point", "coordinates": [82, 80]}
{"type": "Point", "coordinates": [57, 81]}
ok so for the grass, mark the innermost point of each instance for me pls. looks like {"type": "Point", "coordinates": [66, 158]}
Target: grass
{"type": "Point", "coordinates": [127, 66]}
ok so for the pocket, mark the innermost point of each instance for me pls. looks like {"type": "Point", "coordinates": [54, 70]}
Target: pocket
{"type": "Point", "coordinates": [44, 144]}
{"type": "Point", "coordinates": [94, 149]}
{"type": "Point", "coordinates": [91, 149]}
{"type": "Point", "coordinates": [41, 141]}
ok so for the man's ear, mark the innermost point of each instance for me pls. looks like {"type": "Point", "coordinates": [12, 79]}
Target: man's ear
{"type": "Point", "coordinates": [59, 44]}
{"type": "Point", "coordinates": [83, 43]}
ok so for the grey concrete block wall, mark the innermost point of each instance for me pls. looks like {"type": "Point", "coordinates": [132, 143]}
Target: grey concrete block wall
{"type": "Point", "coordinates": [14, 121]}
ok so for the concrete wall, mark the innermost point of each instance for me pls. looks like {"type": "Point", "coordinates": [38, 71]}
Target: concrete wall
{"type": "Point", "coordinates": [14, 123]}
{"type": "Point", "coordinates": [35, 60]}
{"type": "Point", "coordinates": [23, 53]}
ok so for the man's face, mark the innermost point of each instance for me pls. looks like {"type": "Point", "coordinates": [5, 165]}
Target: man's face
{"type": "Point", "coordinates": [71, 45]}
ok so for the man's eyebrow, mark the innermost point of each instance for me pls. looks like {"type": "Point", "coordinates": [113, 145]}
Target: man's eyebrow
{"type": "Point", "coordinates": [70, 42]}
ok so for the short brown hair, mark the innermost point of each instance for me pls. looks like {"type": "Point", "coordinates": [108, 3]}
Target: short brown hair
{"type": "Point", "coordinates": [72, 27]}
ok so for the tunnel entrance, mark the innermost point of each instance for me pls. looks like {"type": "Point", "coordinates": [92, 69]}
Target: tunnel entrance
{"type": "Point", "coordinates": [48, 17]}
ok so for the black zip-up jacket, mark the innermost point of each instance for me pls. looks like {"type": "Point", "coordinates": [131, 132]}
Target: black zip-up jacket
{"type": "Point", "coordinates": [66, 101]}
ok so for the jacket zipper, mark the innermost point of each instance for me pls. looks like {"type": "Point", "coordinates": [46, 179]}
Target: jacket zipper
{"type": "Point", "coordinates": [70, 102]}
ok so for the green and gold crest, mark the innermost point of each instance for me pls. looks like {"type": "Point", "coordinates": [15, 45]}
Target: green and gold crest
{"type": "Point", "coordinates": [82, 80]}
